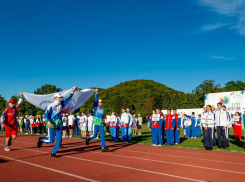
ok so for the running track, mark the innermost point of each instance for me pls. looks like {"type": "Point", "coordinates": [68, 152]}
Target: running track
{"type": "Point", "coordinates": [123, 162]}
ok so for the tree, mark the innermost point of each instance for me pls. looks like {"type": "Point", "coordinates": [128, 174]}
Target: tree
{"type": "Point", "coordinates": [157, 102]}
{"type": "Point", "coordinates": [166, 100]}
{"type": "Point", "coordinates": [3, 104]}
{"type": "Point", "coordinates": [47, 89]}
{"type": "Point", "coordinates": [177, 101]}
{"type": "Point", "coordinates": [147, 107]}
{"type": "Point", "coordinates": [189, 102]}
{"type": "Point", "coordinates": [172, 103]}
{"type": "Point", "coordinates": [234, 86]}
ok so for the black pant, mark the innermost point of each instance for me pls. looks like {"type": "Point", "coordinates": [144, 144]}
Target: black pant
{"type": "Point", "coordinates": [107, 128]}
{"type": "Point", "coordinates": [209, 137]}
{"type": "Point", "coordinates": [44, 129]}
{"type": "Point", "coordinates": [221, 132]}
{"type": "Point", "coordinates": [214, 137]}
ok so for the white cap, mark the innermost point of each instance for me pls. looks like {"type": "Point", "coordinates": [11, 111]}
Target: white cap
{"type": "Point", "coordinates": [138, 114]}
{"type": "Point", "coordinates": [67, 114]}
{"type": "Point", "coordinates": [57, 95]}
{"type": "Point", "coordinates": [100, 100]}
{"type": "Point", "coordinates": [127, 109]}
{"type": "Point", "coordinates": [134, 115]}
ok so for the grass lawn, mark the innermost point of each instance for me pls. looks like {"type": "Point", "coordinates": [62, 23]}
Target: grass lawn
{"type": "Point", "coordinates": [191, 143]}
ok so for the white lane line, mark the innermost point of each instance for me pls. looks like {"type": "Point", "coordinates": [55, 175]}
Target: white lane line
{"type": "Point", "coordinates": [137, 169]}
{"type": "Point", "coordinates": [50, 169]}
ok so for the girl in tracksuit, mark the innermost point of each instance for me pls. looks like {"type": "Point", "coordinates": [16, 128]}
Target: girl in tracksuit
{"type": "Point", "coordinates": [238, 127]}
{"type": "Point", "coordinates": [187, 124]}
{"type": "Point", "coordinates": [198, 126]}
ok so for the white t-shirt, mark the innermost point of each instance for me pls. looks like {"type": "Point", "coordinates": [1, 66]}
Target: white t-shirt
{"type": "Point", "coordinates": [84, 118]}
{"type": "Point", "coordinates": [90, 120]}
{"type": "Point", "coordinates": [64, 119]}
{"type": "Point", "coordinates": [70, 119]}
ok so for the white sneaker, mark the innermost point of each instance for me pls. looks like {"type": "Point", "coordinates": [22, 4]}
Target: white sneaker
{"type": "Point", "coordinates": [107, 133]}
{"type": "Point", "coordinates": [63, 136]}
{"type": "Point", "coordinates": [97, 137]}
{"type": "Point", "coordinates": [70, 136]}
{"type": "Point", "coordinates": [26, 133]}
{"type": "Point", "coordinates": [176, 143]}
{"type": "Point", "coordinates": [159, 145]}
{"type": "Point", "coordinates": [66, 135]}
{"type": "Point", "coordinates": [195, 137]}
{"type": "Point", "coordinates": [154, 145]}
{"type": "Point", "coordinates": [7, 148]}
{"type": "Point", "coordinates": [191, 137]}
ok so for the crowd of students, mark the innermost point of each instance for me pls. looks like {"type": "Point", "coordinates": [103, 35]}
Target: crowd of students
{"type": "Point", "coordinates": [213, 123]}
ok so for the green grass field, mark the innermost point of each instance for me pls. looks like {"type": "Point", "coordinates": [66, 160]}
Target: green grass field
{"type": "Point", "coordinates": [191, 143]}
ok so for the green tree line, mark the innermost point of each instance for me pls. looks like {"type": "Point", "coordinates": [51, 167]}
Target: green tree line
{"type": "Point", "coordinates": [140, 96]}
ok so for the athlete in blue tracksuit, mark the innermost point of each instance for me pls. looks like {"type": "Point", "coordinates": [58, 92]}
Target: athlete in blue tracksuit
{"type": "Point", "coordinates": [130, 122]}
{"type": "Point", "coordinates": [198, 127]}
{"type": "Point", "coordinates": [117, 128]}
{"type": "Point", "coordinates": [124, 125]}
{"type": "Point", "coordinates": [113, 126]}
{"type": "Point", "coordinates": [193, 125]}
{"type": "Point", "coordinates": [76, 126]}
{"type": "Point", "coordinates": [177, 131]}
{"type": "Point", "coordinates": [53, 119]}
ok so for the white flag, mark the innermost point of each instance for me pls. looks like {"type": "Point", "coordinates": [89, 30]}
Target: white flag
{"type": "Point", "coordinates": [78, 99]}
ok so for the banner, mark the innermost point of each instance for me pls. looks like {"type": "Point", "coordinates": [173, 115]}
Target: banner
{"type": "Point", "coordinates": [234, 101]}
{"type": "Point", "coordinates": [78, 99]}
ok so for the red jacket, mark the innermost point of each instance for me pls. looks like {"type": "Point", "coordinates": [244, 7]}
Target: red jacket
{"type": "Point", "coordinates": [9, 114]}
{"type": "Point", "coordinates": [176, 116]}
{"type": "Point", "coordinates": [37, 122]}
{"type": "Point", "coordinates": [169, 121]}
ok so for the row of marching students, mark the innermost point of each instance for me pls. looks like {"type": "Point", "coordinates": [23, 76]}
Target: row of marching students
{"type": "Point", "coordinates": [159, 124]}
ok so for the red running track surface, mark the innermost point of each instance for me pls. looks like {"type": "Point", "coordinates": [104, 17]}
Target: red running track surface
{"type": "Point", "coordinates": [123, 162]}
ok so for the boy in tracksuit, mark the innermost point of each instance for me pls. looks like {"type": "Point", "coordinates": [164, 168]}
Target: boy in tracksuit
{"type": "Point", "coordinates": [177, 121]}
{"type": "Point", "coordinates": [187, 124]}
{"type": "Point", "coordinates": [222, 119]}
{"type": "Point", "coordinates": [198, 127]}
{"type": "Point", "coordinates": [209, 127]}
{"type": "Point", "coordinates": [113, 125]}
{"type": "Point", "coordinates": [124, 125]}
{"type": "Point", "coordinates": [193, 125]}
{"type": "Point", "coordinates": [158, 129]}
{"type": "Point", "coordinates": [153, 130]}
{"type": "Point", "coordinates": [169, 127]}
{"type": "Point", "coordinates": [54, 121]}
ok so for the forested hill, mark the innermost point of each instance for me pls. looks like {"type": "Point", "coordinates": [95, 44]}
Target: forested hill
{"type": "Point", "coordinates": [140, 96]}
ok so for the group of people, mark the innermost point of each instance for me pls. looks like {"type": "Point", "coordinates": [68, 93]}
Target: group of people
{"type": "Point", "coordinates": [212, 124]}
{"type": "Point", "coordinates": [58, 125]}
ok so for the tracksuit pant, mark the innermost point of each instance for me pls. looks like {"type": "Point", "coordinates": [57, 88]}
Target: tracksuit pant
{"type": "Point", "coordinates": [52, 133]}
{"type": "Point", "coordinates": [153, 137]}
{"type": "Point", "coordinates": [198, 132]}
{"type": "Point", "coordinates": [176, 136]}
{"type": "Point", "coordinates": [193, 131]}
{"type": "Point", "coordinates": [158, 136]}
{"type": "Point", "coordinates": [113, 133]}
{"type": "Point", "coordinates": [124, 133]}
{"type": "Point", "coordinates": [27, 126]}
{"type": "Point", "coordinates": [214, 137]}
{"type": "Point", "coordinates": [170, 137]}
{"type": "Point", "coordinates": [38, 129]}
{"type": "Point", "coordinates": [188, 131]}
{"type": "Point", "coordinates": [238, 131]}
{"type": "Point", "coordinates": [117, 134]}
{"type": "Point", "coordinates": [76, 128]}
{"type": "Point", "coordinates": [100, 129]}
{"type": "Point", "coordinates": [221, 132]}
{"type": "Point", "coordinates": [204, 135]}
{"type": "Point", "coordinates": [33, 130]}
{"type": "Point", "coordinates": [129, 133]}
{"type": "Point", "coordinates": [209, 137]}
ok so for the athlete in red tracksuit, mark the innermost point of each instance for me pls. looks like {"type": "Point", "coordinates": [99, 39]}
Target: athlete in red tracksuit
{"type": "Point", "coordinates": [169, 127]}
{"type": "Point", "coordinates": [10, 121]}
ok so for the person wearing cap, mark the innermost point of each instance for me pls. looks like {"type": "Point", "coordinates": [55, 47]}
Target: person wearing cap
{"type": "Point", "coordinates": [53, 119]}
{"type": "Point", "coordinates": [76, 127]}
{"type": "Point", "coordinates": [134, 125]}
{"type": "Point", "coordinates": [90, 123]}
{"type": "Point", "coordinates": [98, 123]}
{"type": "Point", "coordinates": [139, 124]}
{"type": "Point", "coordinates": [198, 127]}
{"type": "Point", "coordinates": [10, 123]}
{"type": "Point", "coordinates": [187, 124]}
{"type": "Point", "coordinates": [124, 125]}
{"type": "Point", "coordinates": [129, 125]}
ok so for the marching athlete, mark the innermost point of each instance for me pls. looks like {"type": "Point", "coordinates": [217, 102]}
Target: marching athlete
{"type": "Point", "coordinates": [54, 121]}
{"type": "Point", "coordinates": [10, 122]}
{"type": "Point", "coordinates": [169, 127]}
{"type": "Point", "coordinates": [98, 123]}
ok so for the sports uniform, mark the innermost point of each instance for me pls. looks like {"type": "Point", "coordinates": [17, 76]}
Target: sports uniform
{"type": "Point", "coordinates": [76, 125]}
{"type": "Point", "coordinates": [169, 124]}
{"type": "Point", "coordinates": [90, 123]}
{"type": "Point", "coordinates": [130, 122]}
{"type": "Point", "coordinates": [193, 126]}
{"type": "Point", "coordinates": [187, 124]}
{"type": "Point", "coordinates": [53, 115]}
{"type": "Point", "coordinates": [198, 128]}
{"type": "Point", "coordinates": [113, 126]}
{"type": "Point", "coordinates": [209, 129]}
{"type": "Point", "coordinates": [124, 126]}
{"type": "Point", "coordinates": [238, 128]}
{"type": "Point", "coordinates": [177, 121]}
{"type": "Point", "coordinates": [158, 131]}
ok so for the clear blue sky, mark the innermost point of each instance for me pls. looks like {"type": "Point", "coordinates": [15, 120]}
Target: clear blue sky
{"type": "Point", "coordinates": [94, 43]}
